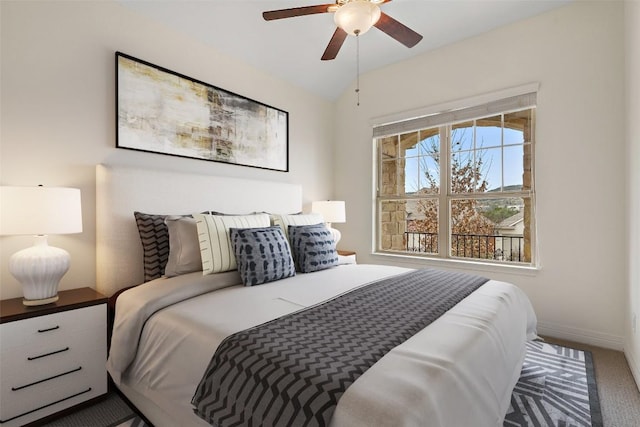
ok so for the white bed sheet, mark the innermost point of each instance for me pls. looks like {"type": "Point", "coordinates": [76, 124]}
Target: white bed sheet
{"type": "Point", "coordinates": [459, 371]}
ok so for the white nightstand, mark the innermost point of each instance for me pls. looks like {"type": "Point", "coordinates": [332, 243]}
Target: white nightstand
{"type": "Point", "coordinates": [52, 357]}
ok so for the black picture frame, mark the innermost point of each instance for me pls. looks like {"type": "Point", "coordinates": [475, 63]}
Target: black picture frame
{"type": "Point", "coordinates": [162, 111]}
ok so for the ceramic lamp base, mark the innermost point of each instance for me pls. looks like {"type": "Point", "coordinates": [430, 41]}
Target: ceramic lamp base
{"type": "Point", "coordinates": [39, 270]}
{"type": "Point", "coordinates": [335, 233]}
{"type": "Point", "coordinates": [32, 302]}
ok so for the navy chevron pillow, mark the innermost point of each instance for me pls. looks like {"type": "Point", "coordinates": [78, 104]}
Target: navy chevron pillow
{"type": "Point", "coordinates": [313, 247]}
{"type": "Point", "coordinates": [154, 236]}
{"type": "Point", "coordinates": [262, 254]}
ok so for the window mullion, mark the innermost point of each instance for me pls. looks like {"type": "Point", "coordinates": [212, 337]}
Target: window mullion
{"type": "Point", "coordinates": [444, 224]}
{"type": "Point", "coordinates": [502, 168]}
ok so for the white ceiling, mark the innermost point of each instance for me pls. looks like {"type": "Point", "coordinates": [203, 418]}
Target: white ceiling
{"type": "Point", "coordinates": [291, 48]}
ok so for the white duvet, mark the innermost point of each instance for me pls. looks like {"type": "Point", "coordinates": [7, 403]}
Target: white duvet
{"type": "Point", "coordinates": [457, 372]}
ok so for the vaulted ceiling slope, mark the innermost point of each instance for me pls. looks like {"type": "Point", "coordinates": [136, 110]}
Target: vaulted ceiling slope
{"type": "Point", "coordinates": [291, 48]}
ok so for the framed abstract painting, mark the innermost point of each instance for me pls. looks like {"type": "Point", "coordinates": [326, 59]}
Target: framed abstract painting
{"type": "Point", "coordinates": [161, 111]}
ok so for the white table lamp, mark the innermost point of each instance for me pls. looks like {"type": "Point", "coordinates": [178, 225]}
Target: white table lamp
{"type": "Point", "coordinates": [331, 211]}
{"type": "Point", "coordinates": [39, 211]}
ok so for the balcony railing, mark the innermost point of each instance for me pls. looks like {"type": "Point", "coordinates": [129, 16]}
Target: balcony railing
{"type": "Point", "coordinates": [479, 246]}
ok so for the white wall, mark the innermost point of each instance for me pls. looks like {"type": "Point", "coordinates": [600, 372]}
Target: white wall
{"type": "Point", "coordinates": [576, 53]}
{"type": "Point", "coordinates": [57, 116]}
{"type": "Point", "coordinates": [58, 110]}
{"type": "Point", "coordinates": [632, 37]}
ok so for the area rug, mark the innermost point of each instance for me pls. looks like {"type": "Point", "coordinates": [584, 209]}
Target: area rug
{"type": "Point", "coordinates": [557, 387]}
{"type": "Point", "coordinates": [132, 421]}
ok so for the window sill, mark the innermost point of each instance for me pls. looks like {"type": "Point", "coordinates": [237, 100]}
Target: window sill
{"type": "Point", "coordinates": [419, 261]}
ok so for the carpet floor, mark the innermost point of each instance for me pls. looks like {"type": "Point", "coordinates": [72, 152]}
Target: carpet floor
{"type": "Point", "coordinates": [557, 388]}
{"type": "Point", "coordinates": [110, 412]}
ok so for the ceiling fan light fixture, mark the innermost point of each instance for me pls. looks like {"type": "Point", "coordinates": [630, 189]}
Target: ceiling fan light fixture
{"type": "Point", "coordinates": [357, 16]}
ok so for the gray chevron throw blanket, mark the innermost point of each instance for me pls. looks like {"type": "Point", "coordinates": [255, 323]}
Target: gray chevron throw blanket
{"type": "Point", "coordinates": [291, 371]}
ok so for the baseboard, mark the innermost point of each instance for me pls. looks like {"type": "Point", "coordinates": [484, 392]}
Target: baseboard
{"type": "Point", "coordinates": [632, 360]}
{"type": "Point", "coordinates": [583, 336]}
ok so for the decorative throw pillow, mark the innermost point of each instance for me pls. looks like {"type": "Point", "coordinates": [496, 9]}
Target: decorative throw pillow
{"type": "Point", "coordinates": [213, 235]}
{"type": "Point", "coordinates": [262, 254]}
{"type": "Point", "coordinates": [284, 221]}
{"type": "Point", "coordinates": [184, 247]}
{"type": "Point", "coordinates": [233, 214]}
{"type": "Point", "coordinates": [313, 247]}
{"type": "Point", "coordinates": [154, 236]}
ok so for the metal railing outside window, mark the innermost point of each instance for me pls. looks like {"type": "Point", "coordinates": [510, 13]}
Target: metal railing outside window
{"type": "Point", "coordinates": [478, 246]}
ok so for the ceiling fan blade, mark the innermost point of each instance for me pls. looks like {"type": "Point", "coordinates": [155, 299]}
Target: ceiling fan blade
{"type": "Point", "coordinates": [397, 30]}
{"type": "Point", "coordinates": [296, 11]}
{"type": "Point", "coordinates": [334, 44]}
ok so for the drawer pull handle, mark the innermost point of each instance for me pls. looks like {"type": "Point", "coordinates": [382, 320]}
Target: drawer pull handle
{"type": "Point", "coordinates": [49, 329]}
{"type": "Point", "coordinates": [47, 354]}
{"type": "Point", "coordinates": [46, 379]}
{"type": "Point", "coordinates": [47, 405]}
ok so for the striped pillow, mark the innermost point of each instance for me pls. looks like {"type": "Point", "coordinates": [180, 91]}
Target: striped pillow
{"type": "Point", "coordinates": [213, 234]}
{"type": "Point", "coordinates": [284, 221]}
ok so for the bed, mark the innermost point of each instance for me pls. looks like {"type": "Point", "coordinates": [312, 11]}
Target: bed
{"type": "Point", "coordinates": [457, 371]}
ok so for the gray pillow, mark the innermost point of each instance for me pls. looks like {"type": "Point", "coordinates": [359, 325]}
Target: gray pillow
{"type": "Point", "coordinates": [184, 246]}
{"type": "Point", "coordinates": [262, 254]}
{"type": "Point", "coordinates": [313, 247]}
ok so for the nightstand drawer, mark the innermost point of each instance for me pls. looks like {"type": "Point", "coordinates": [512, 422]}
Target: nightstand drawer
{"type": "Point", "coordinates": [52, 328]}
{"type": "Point", "coordinates": [30, 363]}
{"type": "Point", "coordinates": [51, 362]}
{"type": "Point", "coordinates": [67, 384]}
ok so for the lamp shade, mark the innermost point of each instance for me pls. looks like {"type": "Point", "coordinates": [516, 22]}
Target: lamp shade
{"type": "Point", "coordinates": [331, 210]}
{"type": "Point", "coordinates": [40, 210]}
{"type": "Point", "coordinates": [357, 16]}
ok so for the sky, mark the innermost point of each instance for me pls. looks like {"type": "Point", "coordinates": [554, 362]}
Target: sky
{"type": "Point", "coordinates": [495, 150]}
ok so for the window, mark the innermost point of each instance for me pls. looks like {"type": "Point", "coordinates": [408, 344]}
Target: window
{"type": "Point", "coordinates": [459, 184]}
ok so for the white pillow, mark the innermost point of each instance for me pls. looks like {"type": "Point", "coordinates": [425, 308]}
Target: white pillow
{"type": "Point", "coordinates": [213, 233]}
{"type": "Point", "coordinates": [285, 221]}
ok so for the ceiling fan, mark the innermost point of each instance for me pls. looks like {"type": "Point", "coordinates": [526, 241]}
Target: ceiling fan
{"type": "Point", "coordinates": [353, 17]}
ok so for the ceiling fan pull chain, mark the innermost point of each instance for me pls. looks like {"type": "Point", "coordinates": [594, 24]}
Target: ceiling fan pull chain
{"type": "Point", "coordinates": [358, 67]}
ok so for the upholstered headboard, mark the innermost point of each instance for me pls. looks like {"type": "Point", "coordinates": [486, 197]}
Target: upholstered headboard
{"type": "Point", "coordinates": [122, 190]}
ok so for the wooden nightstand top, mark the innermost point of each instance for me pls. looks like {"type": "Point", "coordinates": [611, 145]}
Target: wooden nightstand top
{"type": "Point", "coordinates": [345, 253]}
{"type": "Point", "coordinates": [13, 309]}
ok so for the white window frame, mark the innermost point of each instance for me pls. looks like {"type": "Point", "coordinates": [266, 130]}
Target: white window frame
{"type": "Point", "coordinates": [443, 115]}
